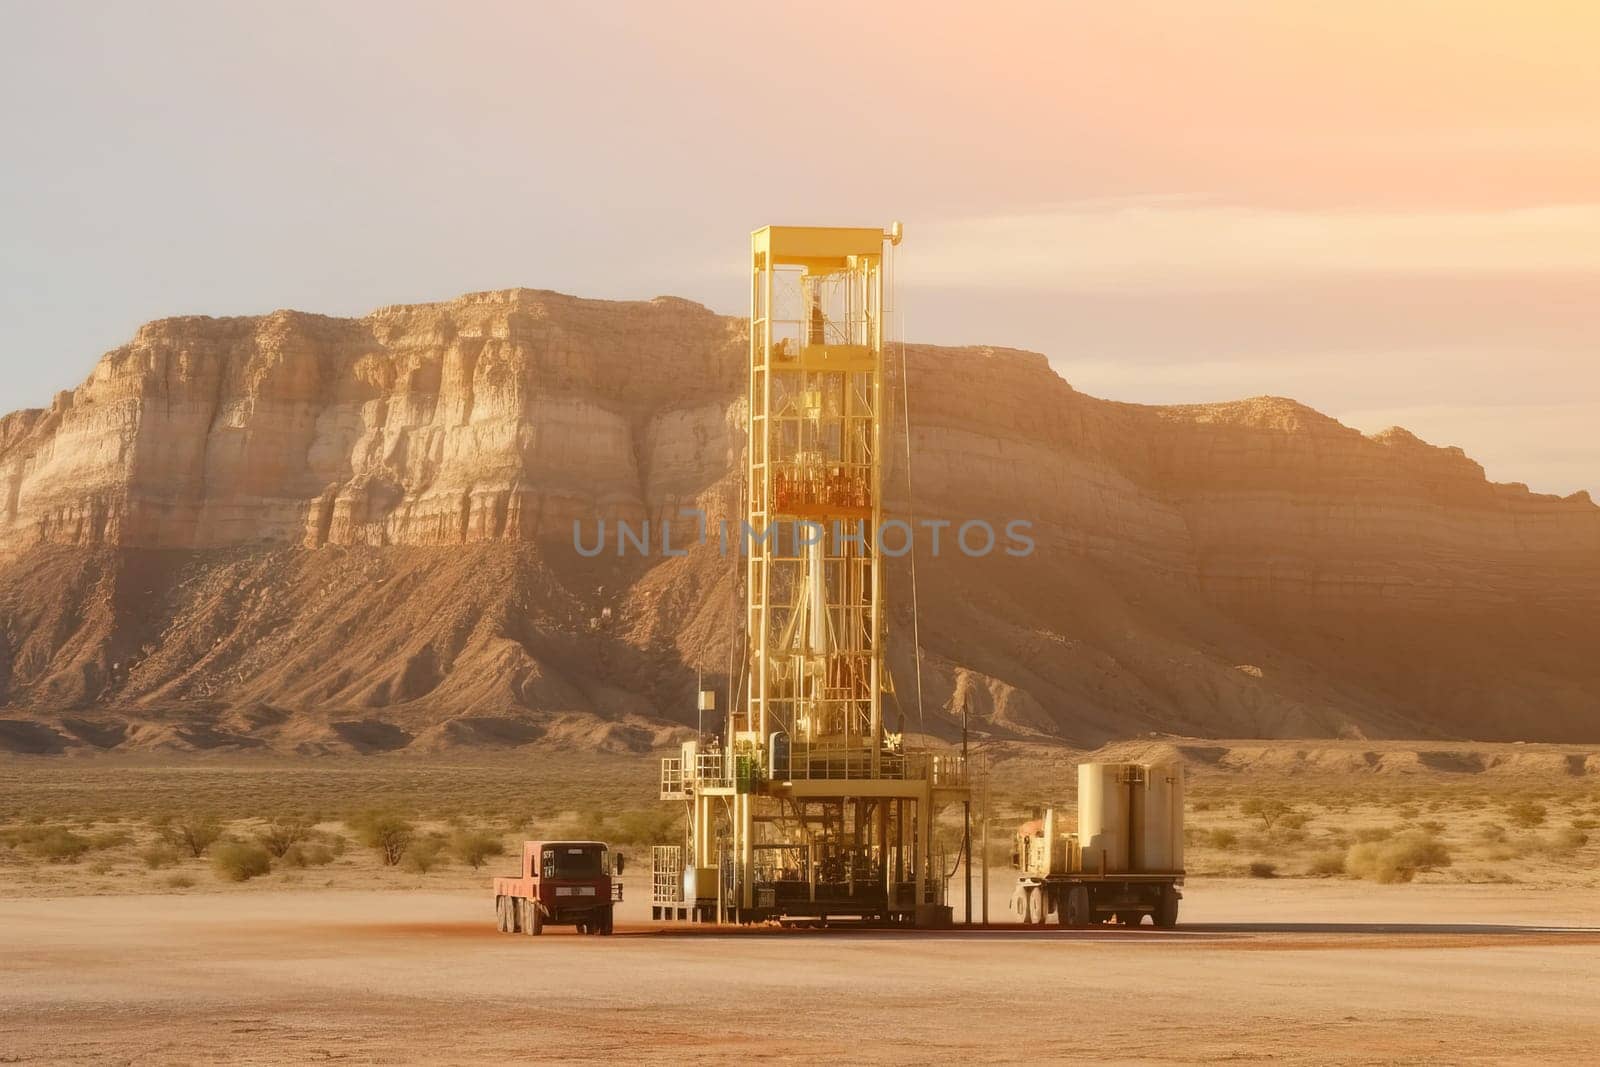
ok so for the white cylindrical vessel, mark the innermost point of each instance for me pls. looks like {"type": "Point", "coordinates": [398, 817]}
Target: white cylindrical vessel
{"type": "Point", "coordinates": [1158, 818]}
{"type": "Point", "coordinates": [1105, 815]}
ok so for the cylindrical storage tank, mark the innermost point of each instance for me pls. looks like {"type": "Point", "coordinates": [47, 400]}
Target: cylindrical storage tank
{"type": "Point", "coordinates": [1158, 818]}
{"type": "Point", "coordinates": [1105, 814]}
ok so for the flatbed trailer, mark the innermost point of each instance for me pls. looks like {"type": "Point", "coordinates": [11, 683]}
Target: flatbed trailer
{"type": "Point", "coordinates": [1079, 898]}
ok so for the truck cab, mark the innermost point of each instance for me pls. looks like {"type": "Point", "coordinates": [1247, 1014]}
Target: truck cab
{"type": "Point", "coordinates": [561, 883]}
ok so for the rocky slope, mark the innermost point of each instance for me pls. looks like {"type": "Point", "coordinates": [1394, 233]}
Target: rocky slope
{"type": "Point", "coordinates": [320, 534]}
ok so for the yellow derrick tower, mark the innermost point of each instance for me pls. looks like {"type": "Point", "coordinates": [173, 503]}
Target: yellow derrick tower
{"type": "Point", "coordinates": [805, 806]}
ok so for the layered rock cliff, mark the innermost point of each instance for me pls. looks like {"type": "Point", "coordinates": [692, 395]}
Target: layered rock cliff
{"type": "Point", "coordinates": [320, 533]}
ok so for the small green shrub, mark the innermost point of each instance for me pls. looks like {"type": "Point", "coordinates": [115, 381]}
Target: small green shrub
{"type": "Point", "coordinates": [388, 833]}
{"type": "Point", "coordinates": [1526, 813]}
{"type": "Point", "coordinates": [1268, 809]}
{"type": "Point", "coordinates": [192, 833]}
{"type": "Point", "coordinates": [159, 855]}
{"type": "Point", "coordinates": [1326, 864]}
{"type": "Point", "coordinates": [308, 854]}
{"type": "Point", "coordinates": [1397, 859]}
{"type": "Point", "coordinates": [280, 835]}
{"type": "Point", "coordinates": [424, 855]}
{"type": "Point", "coordinates": [1223, 838]}
{"type": "Point", "coordinates": [649, 826]}
{"type": "Point", "coordinates": [239, 861]}
{"type": "Point", "coordinates": [475, 847]}
{"type": "Point", "coordinates": [57, 844]}
{"type": "Point", "coordinates": [1568, 839]}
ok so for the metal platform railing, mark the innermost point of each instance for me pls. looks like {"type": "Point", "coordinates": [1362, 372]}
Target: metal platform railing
{"type": "Point", "coordinates": [723, 770]}
{"type": "Point", "coordinates": [666, 874]}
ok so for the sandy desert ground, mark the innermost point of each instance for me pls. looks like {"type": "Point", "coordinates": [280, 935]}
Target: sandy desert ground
{"type": "Point", "coordinates": [117, 950]}
{"type": "Point", "coordinates": [1288, 972]}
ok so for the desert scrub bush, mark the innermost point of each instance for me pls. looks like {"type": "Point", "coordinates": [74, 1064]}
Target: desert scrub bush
{"type": "Point", "coordinates": [239, 861]}
{"type": "Point", "coordinates": [179, 881]}
{"type": "Point", "coordinates": [1200, 805]}
{"type": "Point", "coordinates": [109, 839]}
{"type": "Point", "coordinates": [1326, 864]}
{"type": "Point", "coordinates": [1490, 834]}
{"type": "Point", "coordinates": [193, 833]}
{"type": "Point", "coordinates": [1366, 835]}
{"type": "Point", "coordinates": [649, 826]}
{"type": "Point", "coordinates": [159, 855]}
{"type": "Point", "coordinates": [1526, 813]}
{"type": "Point", "coordinates": [646, 826]}
{"type": "Point", "coordinates": [1293, 820]}
{"type": "Point", "coordinates": [517, 820]}
{"type": "Point", "coordinates": [308, 854]}
{"type": "Point", "coordinates": [1585, 824]}
{"type": "Point", "coordinates": [389, 834]}
{"type": "Point", "coordinates": [424, 855]}
{"type": "Point", "coordinates": [55, 844]}
{"type": "Point", "coordinates": [1397, 859]}
{"type": "Point", "coordinates": [475, 847]}
{"type": "Point", "coordinates": [102, 866]}
{"type": "Point", "coordinates": [280, 835]}
{"type": "Point", "coordinates": [1432, 826]}
{"type": "Point", "coordinates": [1224, 839]}
{"type": "Point", "coordinates": [1268, 809]}
{"type": "Point", "coordinates": [1567, 839]}
{"type": "Point", "coordinates": [1262, 869]}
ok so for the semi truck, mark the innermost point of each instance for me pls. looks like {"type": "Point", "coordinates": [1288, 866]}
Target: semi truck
{"type": "Point", "coordinates": [561, 883]}
{"type": "Point", "coordinates": [1125, 860]}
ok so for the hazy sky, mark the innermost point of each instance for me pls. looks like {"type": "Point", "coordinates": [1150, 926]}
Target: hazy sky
{"type": "Point", "coordinates": [1388, 210]}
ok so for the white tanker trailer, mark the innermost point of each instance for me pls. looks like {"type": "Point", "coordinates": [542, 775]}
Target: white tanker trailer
{"type": "Point", "coordinates": [1124, 862]}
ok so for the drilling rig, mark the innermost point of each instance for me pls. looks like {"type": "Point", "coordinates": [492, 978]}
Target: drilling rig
{"type": "Point", "coordinates": [803, 806]}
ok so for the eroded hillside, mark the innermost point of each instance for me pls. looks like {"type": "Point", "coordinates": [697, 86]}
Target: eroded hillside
{"type": "Point", "coordinates": [315, 534]}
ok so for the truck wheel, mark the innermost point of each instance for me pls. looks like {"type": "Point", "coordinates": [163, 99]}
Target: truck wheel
{"type": "Point", "coordinates": [1036, 905]}
{"type": "Point", "coordinates": [500, 915]}
{"type": "Point", "coordinates": [1166, 913]}
{"type": "Point", "coordinates": [535, 918]}
{"type": "Point", "coordinates": [1076, 912]}
{"type": "Point", "coordinates": [605, 922]}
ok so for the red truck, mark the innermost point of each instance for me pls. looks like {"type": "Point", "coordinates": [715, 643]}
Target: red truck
{"type": "Point", "coordinates": [562, 883]}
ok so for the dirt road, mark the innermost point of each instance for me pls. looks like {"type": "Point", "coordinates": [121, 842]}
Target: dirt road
{"type": "Point", "coordinates": [1297, 973]}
